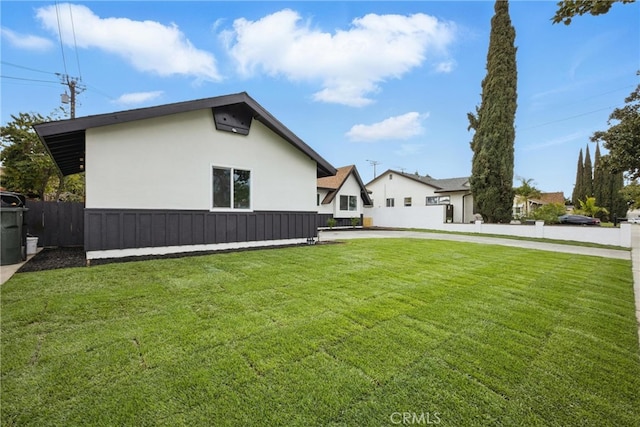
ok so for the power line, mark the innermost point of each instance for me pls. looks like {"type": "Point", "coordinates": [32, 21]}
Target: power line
{"type": "Point", "coordinates": [567, 118]}
{"type": "Point", "coordinates": [582, 114]}
{"type": "Point", "coordinates": [64, 61]}
{"type": "Point", "coordinates": [96, 90]}
{"type": "Point", "coordinates": [29, 80]}
{"type": "Point", "coordinates": [26, 68]}
{"type": "Point", "coordinates": [75, 43]}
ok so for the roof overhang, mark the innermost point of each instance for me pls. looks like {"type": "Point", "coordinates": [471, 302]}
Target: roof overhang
{"type": "Point", "coordinates": [65, 139]}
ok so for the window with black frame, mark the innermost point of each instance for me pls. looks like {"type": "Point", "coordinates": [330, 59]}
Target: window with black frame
{"type": "Point", "coordinates": [231, 188]}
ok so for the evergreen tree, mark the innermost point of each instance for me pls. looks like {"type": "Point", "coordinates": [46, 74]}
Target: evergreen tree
{"type": "Point", "coordinates": [599, 178]}
{"type": "Point", "coordinates": [493, 122]}
{"type": "Point", "coordinates": [618, 205]}
{"type": "Point", "coordinates": [577, 188]}
{"type": "Point", "coordinates": [611, 183]}
{"type": "Point", "coordinates": [587, 179]}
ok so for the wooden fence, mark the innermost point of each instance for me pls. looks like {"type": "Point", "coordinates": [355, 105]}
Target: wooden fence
{"type": "Point", "coordinates": [56, 223]}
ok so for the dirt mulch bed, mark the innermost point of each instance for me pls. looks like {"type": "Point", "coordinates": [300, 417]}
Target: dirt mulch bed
{"type": "Point", "coordinates": [53, 258]}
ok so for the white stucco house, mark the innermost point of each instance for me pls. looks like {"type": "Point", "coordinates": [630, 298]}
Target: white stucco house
{"type": "Point", "coordinates": [208, 174]}
{"type": "Point", "coordinates": [410, 200]}
{"type": "Point", "coordinates": [342, 197]}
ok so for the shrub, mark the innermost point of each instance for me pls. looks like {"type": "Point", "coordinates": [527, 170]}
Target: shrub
{"type": "Point", "coordinates": [331, 222]}
{"type": "Point", "coordinates": [355, 222]}
{"type": "Point", "coordinates": [549, 213]}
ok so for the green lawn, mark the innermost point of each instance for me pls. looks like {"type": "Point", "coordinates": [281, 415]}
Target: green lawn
{"type": "Point", "coordinates": [357, 334]}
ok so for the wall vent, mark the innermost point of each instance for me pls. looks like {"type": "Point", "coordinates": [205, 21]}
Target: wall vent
{"type": "Point", "coordinates": [234, 118]}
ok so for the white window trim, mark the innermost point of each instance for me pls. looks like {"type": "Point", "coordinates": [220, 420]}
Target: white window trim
{"type": "Point", "coordinates": [232, 168]}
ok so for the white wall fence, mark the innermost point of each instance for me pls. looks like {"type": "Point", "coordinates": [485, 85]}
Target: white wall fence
{"type": "Point", "coordinates": [432, 218]}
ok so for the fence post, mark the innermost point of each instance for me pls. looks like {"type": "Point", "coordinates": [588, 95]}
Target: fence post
{"type": "Point", "coordinates": [540, 229]}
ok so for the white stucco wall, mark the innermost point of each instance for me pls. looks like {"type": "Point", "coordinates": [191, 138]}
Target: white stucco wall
{"type": "Point", "coordinates": [400, 187]}
{"type": "Point", "coordinates": [407, 217]}
{"type": "Point", "coordinates": [460, 203]}
{"type": "Point", "coordinates": [327, 208]}
{"type": "Point", "coordinates": [165, 163]}
{"type": "Point", "coordinates": [350, 187]}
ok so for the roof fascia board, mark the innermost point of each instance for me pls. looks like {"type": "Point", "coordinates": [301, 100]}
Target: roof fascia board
{"type": "Point", "coordinates": [411, 177]}
{"type": "Point", "coordinates": [364, 194]}
{"type": "Point", "coordinates": [82, 123]}
{"type": "Point", "coordinates": [324, 168]}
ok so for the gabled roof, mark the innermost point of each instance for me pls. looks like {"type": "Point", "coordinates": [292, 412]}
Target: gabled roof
{"type": "Point", "coordinates": [452, 184]}
{"type": "Point", "coordinates": [334, 183]}
{"type": "Point", "coordinates": [546, 198]}
{"type": "Point", "coordinates": [65, 139]}
{"type": "Point", "coordinates": [446, 185]}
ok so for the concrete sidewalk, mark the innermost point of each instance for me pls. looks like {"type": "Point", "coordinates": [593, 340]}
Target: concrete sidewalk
{"type": "Point", "coordinates": [6, 271]}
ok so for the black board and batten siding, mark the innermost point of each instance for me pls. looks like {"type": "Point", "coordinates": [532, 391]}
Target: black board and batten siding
{"type": "Point", "coordinates": [323, 221]}
{"type": "Point", "coordinates": [109, 229]}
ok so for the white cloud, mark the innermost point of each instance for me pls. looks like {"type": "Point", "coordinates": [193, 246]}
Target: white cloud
{"type": "Point", "coordinates": [394, 128]}
{"type": "Point", "coordinates": [136, 98]}
{"type": "Point", "coordinates": [147, 45]}
{"type": "Point", "coordinates": [26, 41]}
{"type": "Point", "coordinates": [349, 64]}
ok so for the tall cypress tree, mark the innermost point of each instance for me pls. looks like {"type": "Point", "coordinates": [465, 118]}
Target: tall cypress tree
{"type": "Point", "coordinates": [493, 141]}
{"type": "Point", "coordinates": [619, 205]}
{"type": "Point", "coordinates": [587, 179]}
{"type": "Point", "coordinates": [598, 178]}
{"type": "Point", "coordinates": [577, 188]}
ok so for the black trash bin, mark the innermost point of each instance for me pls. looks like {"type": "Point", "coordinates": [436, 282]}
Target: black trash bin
{"type": "Point", "coordinates": [13, 234]}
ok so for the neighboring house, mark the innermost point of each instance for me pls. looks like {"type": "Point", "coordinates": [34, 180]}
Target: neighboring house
{"type": "Point", "coordinates": [524, 207]}
{"type": "Point", "coordinates": [633, 213]}
{"type": "Point", "coordinates": [342, 197]}
{"type": "Point", "coordinates": [209, 174]}
{"type": "Point", "coordinates": [410, 200]}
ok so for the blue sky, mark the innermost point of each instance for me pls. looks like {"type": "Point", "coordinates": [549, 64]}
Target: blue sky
{"type": "Point", "coordinates": [390, 82]}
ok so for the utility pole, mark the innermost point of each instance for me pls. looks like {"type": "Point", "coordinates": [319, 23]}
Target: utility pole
{"type": "Point", "coordinates": [74, 89]}
{"type": "Point", "coordinates": [373, 163]}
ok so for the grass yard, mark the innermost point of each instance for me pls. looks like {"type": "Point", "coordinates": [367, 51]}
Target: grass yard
{"type": "Point", "coordinates": [366, 333]}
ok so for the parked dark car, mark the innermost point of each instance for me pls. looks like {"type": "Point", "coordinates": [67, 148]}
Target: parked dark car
{"type": "Point", "coordinates": [578, 220]}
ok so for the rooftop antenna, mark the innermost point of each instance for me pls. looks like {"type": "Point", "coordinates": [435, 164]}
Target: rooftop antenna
{"type": "Point", "coordinates": [374, 163]}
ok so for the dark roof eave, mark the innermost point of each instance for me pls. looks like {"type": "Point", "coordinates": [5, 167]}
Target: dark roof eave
{"type": "Point", "coordinates": [78, 126]}
{"type": "Point", "coordinates": [457, 190]}
{"type": "Point", "coordinates": [406, 175]}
